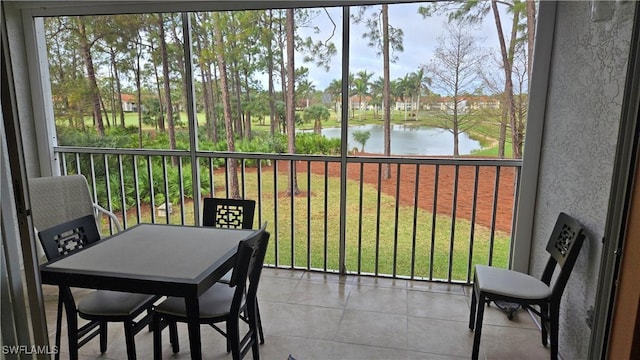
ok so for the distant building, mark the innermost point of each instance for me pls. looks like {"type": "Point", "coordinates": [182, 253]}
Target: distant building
{"type": "Point", "coordinates": [401, 106]}
{"type": "Point", "coordinates": [129, 102]}
{"type": "Point", "coordinates": [467, 103]}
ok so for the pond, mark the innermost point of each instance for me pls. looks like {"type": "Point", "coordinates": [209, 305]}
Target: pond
{"type": "Point", "coordinates": [408, 140]}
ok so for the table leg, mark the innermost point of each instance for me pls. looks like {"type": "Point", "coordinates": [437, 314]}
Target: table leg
{"type": "Point", "coordinates": [193, 323]}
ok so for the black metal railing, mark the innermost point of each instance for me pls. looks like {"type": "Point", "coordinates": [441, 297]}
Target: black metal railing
{"type": "Point", "coordinates": [431, 218]}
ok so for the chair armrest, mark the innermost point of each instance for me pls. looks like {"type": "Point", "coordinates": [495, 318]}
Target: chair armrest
{"type": "Point", "coordinates": [100, 210]}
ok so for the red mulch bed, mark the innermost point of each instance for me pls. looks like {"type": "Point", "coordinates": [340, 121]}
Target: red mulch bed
{"type": "Point", "coordinates": [466, 183]}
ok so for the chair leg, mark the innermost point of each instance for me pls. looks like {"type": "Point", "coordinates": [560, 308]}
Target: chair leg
{"type": "Point", "coordinates": [478, 329]}
{"type": "Point", "coordinates": [260, 333]}
{"type": "Point", "coordinates": [256, 335]}
{"type": "Point", "coordinates": [149, 316]}
{"type": "Point", "coordinates": [554, 315]}
{"type": "Point", "coordinates": [173, 337]}
{"type": "Point", "coordinates": [58, 327]}
{"type": "Point", "coordinates": [103, 337]}
{"type": "Point", "coordinates": [157, 336]}
{"type": "Point", "coordinates": [255, 347]}
{"type": "Point", "coordinates": [72, 331]}
{"type": "Point", "coordinates": [72, 336]}
{"type": "Point", "coordinates": [233, 337]}
{"type": "Point", "coordinates": [472, 311]}
{"type": "Point", "coordinates": [544, 323]}
{"type": "Point", "coordinates": [129, 339]}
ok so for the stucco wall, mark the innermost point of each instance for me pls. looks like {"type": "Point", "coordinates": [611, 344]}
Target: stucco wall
{"type": "Point", "coordinates": [588, 69]}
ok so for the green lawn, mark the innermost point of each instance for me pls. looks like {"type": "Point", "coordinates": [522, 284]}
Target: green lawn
{"type": "Point", "coordinates": [320, 239]}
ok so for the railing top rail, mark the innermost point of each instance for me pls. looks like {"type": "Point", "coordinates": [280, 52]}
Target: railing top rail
{"type": "Point", "coordinates": [296, 157]}
{"type": "Point", "coordinates": [436, 161]}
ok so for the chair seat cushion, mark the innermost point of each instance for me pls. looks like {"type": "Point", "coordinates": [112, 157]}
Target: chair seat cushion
{"type": "Point", "coordinates": [215, 302]}
{"type": "Point", "coordinates": [106, 303]}
{"type": "Point", "coordinates": [510, 283]}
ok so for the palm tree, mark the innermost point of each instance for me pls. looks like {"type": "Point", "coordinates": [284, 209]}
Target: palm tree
{"type": "Point", "coordinates": [376, 94]}
{"type": "Point", "coordinates": [305, 89]}
{"type": "Point", "coordinates": [335, 90]}
{"type": "Point", "coordinates": [405, 90]}
{"type": "Point", "coordinates": [361, 86]}
{"type": "Point", "coordinates": [421, 82]}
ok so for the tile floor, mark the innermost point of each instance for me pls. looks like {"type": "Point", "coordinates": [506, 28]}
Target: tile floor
{"type": "Point", "coordinates": [323, 316]}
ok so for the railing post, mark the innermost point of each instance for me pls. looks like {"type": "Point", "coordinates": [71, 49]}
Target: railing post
{"type": "Point", "coordinates": [344, 135]}
{"type": "Point", "coordinates": [193, 121]}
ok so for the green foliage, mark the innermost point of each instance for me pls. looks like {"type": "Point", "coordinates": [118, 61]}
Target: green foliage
{"type": "Point", "coordinates": [316, 112]}
{"type": "Point", "coordinates": [151, 111]}
{"type": "Point", "coordinates": [361, 136]}
{"type": "Point", "coordinates": [277, 143]}
{"type": "Point", "coordinates": [123, 182]}
{"type": "Point", "coordinates": [114, 137]}
{"type": "Point", "coordinates": [309, 143]}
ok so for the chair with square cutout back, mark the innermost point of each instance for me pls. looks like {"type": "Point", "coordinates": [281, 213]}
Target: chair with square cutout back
{"type": "Point", "coordinates": [223, 302]}
{"type": "Point", "coordinates": [230, 213]}
{"type": "Point", "coordinates": [100, 306]}
{"type": "Point", "coordinates": [496, 284]}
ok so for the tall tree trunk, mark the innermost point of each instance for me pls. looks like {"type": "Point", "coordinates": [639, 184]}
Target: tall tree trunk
{"type": "Point", "coordinates": [116, 75]}
{"type": "Point", "coordinates": [531, 34]}
{"type": "Point", "coordinates": [247, 96]}
{"type": "Point", "coordinates": [405, 107]}
{"type": "Point", "coordinates": [112, 98]}
{"type": "Point", "coordinates": [232, 167]}
{"type": "Point", "coordinates": [508, 83]}
{"type": "Point", "coordinates": [455, 131]}
{"type": "Point", "coordinates": [139, 89]}
{"type": "Point", "coordinates": [205, 85]}
{"type": "Point", "coordinates": [181, 69]}
{"type": "Point", "coordinates": [291, 104]}
{"type": "Point", "coordinates": [386, 168]}
{"type": "Point", "coordinates": [214, 118]}
{"type": "Point", "coordinates": [503, 127]}
{"type": "Point", "coordinates": [211, 130]}
{"type": "Point", "coordinates": [238, 95]}
{"type": "Point", "coordinates": [273, 125]}
{"type": "Point", "coordinates": [167, 87]}
{"type": "Point", "coordinates": [85, 50]}
{"type": "Point", "coordinates": [160, 123]}
{"type": "Point", "coordinates": [283, 71]}
{"type": "Point", "coordinates": [106, 114]}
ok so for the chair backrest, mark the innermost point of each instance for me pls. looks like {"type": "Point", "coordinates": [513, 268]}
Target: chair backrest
{"type": "Point", "coordinates": [228, 213]}
{"type": "Point", "coordinates": [69, 236]}
{"type": "Point", "coordinates": [58, 199]}
{"type": "Point", "coordinates": [248, 266]}
{"type": "Point", "coordinates": [563, 247]}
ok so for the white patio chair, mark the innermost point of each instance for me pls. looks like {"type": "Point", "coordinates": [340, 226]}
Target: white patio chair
{"type": "Point", "coordinates": [58, 199]}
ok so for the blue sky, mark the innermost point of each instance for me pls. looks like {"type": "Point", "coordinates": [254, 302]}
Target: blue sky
{"type": "Point", "coordinates": [420, 39]}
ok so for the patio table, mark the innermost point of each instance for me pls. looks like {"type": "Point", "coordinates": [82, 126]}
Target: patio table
{"type": "Point", "coordinates": [170, 260]}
